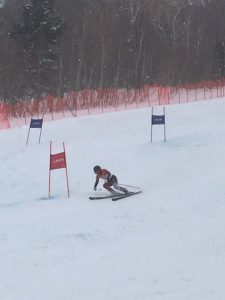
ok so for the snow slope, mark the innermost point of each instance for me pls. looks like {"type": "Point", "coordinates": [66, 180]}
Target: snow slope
{"type": "Point", "coordinates": [167, 243]}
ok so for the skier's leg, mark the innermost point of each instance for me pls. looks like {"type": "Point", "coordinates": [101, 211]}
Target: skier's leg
{"type": "Point", "coordinates": [114, 181]}
{"type": "Point", "coordinates": [107, 186]}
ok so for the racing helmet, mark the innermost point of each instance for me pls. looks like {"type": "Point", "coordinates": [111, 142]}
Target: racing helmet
{"type": "Point", "coordinates": [97, 169]}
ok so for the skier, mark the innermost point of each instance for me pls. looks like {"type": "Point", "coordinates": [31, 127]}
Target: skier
{"type": "Point", "coordinates": [110, 180]}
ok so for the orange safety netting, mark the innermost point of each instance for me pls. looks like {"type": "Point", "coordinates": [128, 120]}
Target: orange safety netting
{"type": "Point", "coordinates": [109, 99]}
{"type": "Point", "coordinates": [4, 121]}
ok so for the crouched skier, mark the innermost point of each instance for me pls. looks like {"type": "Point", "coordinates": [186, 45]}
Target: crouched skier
{"type": "Point", "coordinates": [110, 180]}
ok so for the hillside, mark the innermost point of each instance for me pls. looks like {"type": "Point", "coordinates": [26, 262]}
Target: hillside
{"type": "Point", "coordinates": [166, 243]}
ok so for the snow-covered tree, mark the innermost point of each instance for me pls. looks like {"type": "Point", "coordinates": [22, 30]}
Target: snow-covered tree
{"type": "Point", "coordinates": [38, 34]}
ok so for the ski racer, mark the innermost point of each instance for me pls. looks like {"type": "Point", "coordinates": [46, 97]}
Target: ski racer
{"type": "Point", "coordinates": [110, 180]}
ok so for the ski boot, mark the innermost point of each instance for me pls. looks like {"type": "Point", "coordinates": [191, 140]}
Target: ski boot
{"type": "Point", "coordinates": [111, 190]}
{"type": "Point", "coordinates": [125, 191]}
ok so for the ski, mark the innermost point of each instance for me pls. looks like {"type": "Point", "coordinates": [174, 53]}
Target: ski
{"type": "Point", "coordinates": [125, 195]}
{"type": "Point", "coordinates": [105, 197]}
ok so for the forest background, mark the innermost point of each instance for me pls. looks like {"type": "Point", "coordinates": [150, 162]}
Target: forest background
{"type": "Point", "coordinates": [53, 47]}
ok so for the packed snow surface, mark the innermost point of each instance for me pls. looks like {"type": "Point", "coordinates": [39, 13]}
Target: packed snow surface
{"type": "Point", "coordinates": [167, 243]}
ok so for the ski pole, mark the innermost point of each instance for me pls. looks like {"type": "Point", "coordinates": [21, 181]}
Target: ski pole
{"type": "Point", "coordinates": [136, 187]}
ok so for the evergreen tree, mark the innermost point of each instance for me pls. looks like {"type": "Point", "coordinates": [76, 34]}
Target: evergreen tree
{"type": "Point", "coordinates": [38, 34]}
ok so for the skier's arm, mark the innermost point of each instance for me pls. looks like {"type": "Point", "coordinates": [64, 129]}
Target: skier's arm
{"type": "Point", "coordinates": [96, 182]}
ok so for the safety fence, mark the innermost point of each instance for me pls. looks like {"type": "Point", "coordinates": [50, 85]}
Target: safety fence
{"type": "Point", "coordinates": [78, 103]}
